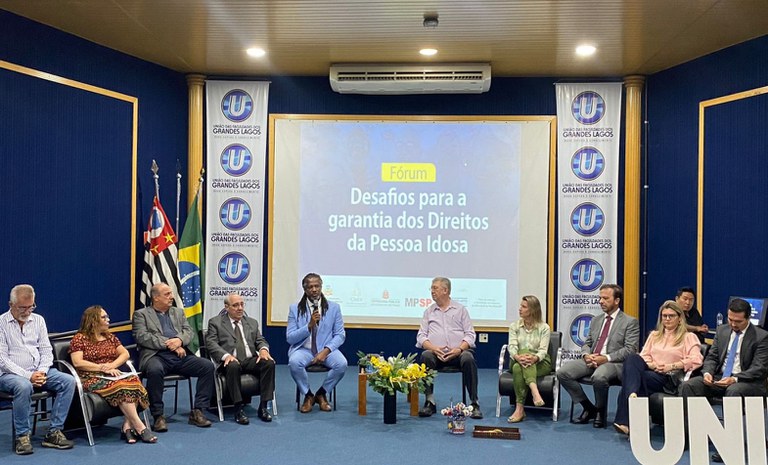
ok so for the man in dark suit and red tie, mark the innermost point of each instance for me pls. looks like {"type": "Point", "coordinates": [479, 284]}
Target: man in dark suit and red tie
{"type": "Point", "coordinates": [613, 336]}
{"type": "Point", "coordinates": [234, 340]}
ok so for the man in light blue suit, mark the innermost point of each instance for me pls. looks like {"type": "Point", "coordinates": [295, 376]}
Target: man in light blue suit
{"type": "Point", "coordinates": [315, 332]}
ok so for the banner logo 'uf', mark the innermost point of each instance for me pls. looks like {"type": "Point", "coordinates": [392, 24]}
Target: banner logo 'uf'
{"type": "Point", "coordinates": [587, 219]}
{"type": "Point", "coordinates": [235, 214]}
{"type": "Point", "coordinates": [580, 328]}
{"type": "Point", "coordinates": [237, 105]}
{"type": "Point", "coordinates": [588, 107]}
{"type": "Point", "coordinates": [234, 268]}
{"type": "Point", "coordinates": [587, 275]}
{"type": "Point", "coordinates": [236, 160]}
{"type": "Point", "coordinates": [587, 163]}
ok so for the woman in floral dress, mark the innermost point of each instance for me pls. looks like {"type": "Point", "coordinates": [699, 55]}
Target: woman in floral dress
{"type": "Point", "coordinates": [97, 353]}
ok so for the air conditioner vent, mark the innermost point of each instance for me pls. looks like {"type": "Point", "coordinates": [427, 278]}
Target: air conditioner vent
{"type": "Point", "coordinates": [410, 79]}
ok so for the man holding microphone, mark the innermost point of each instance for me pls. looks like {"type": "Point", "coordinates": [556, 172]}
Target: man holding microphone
{"type": "Point", "coordinates": [315, 332]}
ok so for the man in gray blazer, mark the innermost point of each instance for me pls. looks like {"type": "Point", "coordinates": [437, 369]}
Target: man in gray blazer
{"type": "Point", "coordinates": [235, 340]}
{"type": "Point", "coordinates": [612, 337]}
{"type": "Point", "coordinates": [162, 334]}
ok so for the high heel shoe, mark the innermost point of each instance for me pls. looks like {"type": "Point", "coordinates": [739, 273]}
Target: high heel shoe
{"type": "Point", "coordinates": [129, 435]}
{"type": "Point", "coordinates": [514, 419]}
{"type": "Point", "coordinates": [623, 429]}
{"type": "Point", "coordinates": [147, 436]}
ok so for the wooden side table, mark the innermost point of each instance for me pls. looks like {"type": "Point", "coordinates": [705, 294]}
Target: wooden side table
{"type": "Point", "coordinates": [362, 396]}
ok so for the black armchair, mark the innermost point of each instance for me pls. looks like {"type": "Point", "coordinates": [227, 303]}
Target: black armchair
{"type": "Point", "coordinates": [549, 387]}
{"type": "Point", "coordinates": [91, 409]}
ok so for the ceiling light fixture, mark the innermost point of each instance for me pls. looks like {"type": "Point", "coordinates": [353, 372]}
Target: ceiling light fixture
{"type": "Point", "coordinates": [428, 52]}
{"type": "Point", "coordinates": [585, 50]}
{"type": "Point", "coordinates": [256, 52]}
{"type": "Point", "coordinates": [430, 20]}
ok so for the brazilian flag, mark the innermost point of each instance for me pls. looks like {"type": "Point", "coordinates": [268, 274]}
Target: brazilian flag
{"type": "Point", "coordinates": [191, 271]}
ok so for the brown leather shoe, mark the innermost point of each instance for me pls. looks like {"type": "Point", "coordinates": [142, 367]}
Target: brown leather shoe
{"type": "Point", "coordinates": [160, 425]}
{"type": "Point", "coordinates": [309, 402]}
{"type": "Point", "coordinates": [324, 405]}
{"type": "Point", "coordinates": [197, 418]}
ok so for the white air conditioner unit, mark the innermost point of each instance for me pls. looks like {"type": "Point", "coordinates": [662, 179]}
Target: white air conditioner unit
{"type": "Point", "coordinates": [382, 79]}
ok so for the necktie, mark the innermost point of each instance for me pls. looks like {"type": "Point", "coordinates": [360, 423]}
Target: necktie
{"type": "Point", "coordinates": [728, 370]}
{"type": "Point", "coordinates": [603, 336]}
{"type": "Point", "coordinates": [239, 343]}
{"type": "Point", "coordinates": [314, 337]}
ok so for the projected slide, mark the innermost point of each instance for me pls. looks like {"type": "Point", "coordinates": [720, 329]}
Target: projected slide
{"type": "Point", "coordinates": [380, 207]}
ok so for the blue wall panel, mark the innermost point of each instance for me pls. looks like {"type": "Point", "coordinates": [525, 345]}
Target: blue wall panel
{"type": "Point", "coordinates": [673, 110]}
{"type": "Point", "coordinates": [65, 175]}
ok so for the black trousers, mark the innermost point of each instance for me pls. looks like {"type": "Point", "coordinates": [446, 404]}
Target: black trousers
{"type": "Point", "coordinates": [264, 370]}
{"type": "Point", "coordinates": [166, 363]}
{"type": "Point", "coordinates": [465, 362]}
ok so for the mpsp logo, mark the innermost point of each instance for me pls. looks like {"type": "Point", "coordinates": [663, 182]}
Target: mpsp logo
{"type": "Point", "coordinates": [236, 160]}
{"type": "Point", "coordinates": [235, 214]}
{"type": "Point", "coordinates": [587, 219]}
{"type": "Point", "coordinates": [588, 107]}
{"type": "Point", "coordinates": [237, 105]}
{"type": "Point", "coordinates": [587, 275]}
{"type": "Point", "coordinates": [234, 268]}
{"type": "Point", "coordinates": [580, 328]}
{"type": "Point", "coordinates": [587, 163]}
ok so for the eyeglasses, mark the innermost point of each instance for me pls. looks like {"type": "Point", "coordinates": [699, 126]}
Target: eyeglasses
{"type": "Point", "coordinates": [30, 308]}
{"type": "Point", "coordinates": [668, 316]}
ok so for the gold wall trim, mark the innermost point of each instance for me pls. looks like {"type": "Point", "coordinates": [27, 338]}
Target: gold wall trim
{"type": "Point", "coordinates": [703, 105]}
{"type": "Point", "coordinates": [134, 101]}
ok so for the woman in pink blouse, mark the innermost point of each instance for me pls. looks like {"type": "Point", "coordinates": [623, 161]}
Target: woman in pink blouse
{"type": "Point", "coordinates": [669, 352]}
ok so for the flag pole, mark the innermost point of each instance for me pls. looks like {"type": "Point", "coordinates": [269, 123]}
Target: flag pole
{"type": "Point", "coordinates": [178, 192]}
{"type": "Point", "coordinates": [155, 169]}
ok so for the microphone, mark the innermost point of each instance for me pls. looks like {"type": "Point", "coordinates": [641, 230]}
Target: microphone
{"type": "Point", "coordinates": [316, 307]}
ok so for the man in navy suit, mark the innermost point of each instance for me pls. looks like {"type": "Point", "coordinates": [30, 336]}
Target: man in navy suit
{"type": "Point", "coordinates": [736, 364]}
{"type": "Point", "coordinates": [234, 340]}
{"type": "Point", "coordinates": [315, 332]}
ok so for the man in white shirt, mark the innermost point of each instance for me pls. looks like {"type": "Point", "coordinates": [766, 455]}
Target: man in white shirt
{"type": "Point", "coordinates": [26, 358]}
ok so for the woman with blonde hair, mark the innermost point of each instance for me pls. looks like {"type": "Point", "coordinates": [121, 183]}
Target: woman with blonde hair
{"type": "Point", "coordinates": [528, 349]}
{"type": "Point", "coordinates": [669, 352]}
{"type": "Point", "coordinates": [97, 353]}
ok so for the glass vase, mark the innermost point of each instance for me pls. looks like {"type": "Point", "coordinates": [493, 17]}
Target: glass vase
{"type": "Point", "coordinates": [457, 426]}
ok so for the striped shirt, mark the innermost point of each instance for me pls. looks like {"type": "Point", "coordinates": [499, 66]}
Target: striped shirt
{"type": "Point", "coordinates": [26, 350]}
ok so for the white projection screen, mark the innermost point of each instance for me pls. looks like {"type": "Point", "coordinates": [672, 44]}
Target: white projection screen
{"type": "Point", "coordinates": [378, 206]}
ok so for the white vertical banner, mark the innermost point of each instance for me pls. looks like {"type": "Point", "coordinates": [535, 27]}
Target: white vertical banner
{"type": "Point", "coordinates": [236, 114]}
{"type": "Point", "coordinates": [588, 120]}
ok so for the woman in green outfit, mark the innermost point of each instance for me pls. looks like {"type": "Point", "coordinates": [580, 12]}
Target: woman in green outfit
{"type": "Point", "coordinates": [528, 344]}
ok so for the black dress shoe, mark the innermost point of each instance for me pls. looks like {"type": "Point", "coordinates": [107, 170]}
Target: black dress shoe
{"type": "Point", "coordinates": [585, 417]}
{"type": "Point", "coordinates": [599, 420]}
{"type": "Point", "coordinates": [716, 458]}
{"type": "Point", "coordinates": [476, 414]}
{"type": "Point", "coordinates": [428, 410]}
{"type": "Point", "coordinates": [264, 414]}
{"type": "Point", "coordinates": [241, 418]}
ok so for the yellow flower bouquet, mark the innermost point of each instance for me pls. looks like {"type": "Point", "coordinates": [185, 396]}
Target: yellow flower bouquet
{"type": "Point", "coordinates": [387, 375]}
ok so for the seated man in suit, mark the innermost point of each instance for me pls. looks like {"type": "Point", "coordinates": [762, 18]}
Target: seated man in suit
{"type": "Point", "coordinates": [315, 337]}
{"type": "Point", "coordinates": [235, 340]}
{"type": "Point", "coordinates": [736, 364]}
{"type": "Point", "coordinates": [162, 334]}
{"type": "Point", "coordinates": [612, 337]}
{"type": "Point", "coordinates": [26, 360]}
{"type": "Point", "coordinates": [448, 338]}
